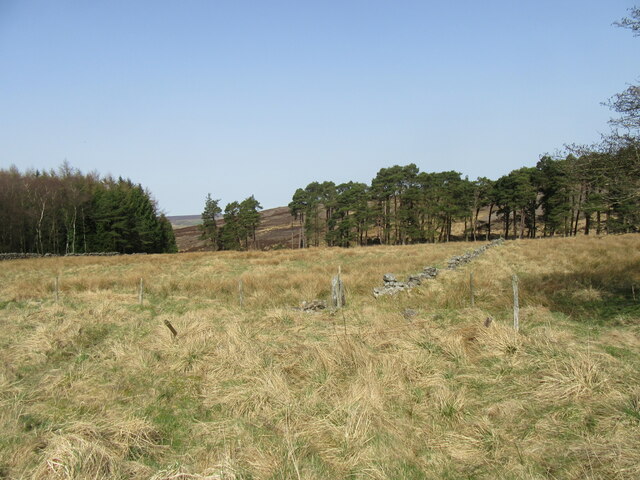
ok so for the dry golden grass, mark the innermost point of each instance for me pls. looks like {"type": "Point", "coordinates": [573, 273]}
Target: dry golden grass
{"type": "Point", "coordinates": [94, 386]}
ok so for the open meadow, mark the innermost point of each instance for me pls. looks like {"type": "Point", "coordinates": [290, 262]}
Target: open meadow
{"type": "Point", "coordinates": [94, 386]}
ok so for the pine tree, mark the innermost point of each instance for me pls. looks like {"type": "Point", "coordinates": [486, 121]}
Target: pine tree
{"type": "Point", "coordinates": [209, 224]}
{"type": "Point", "coordinates": [249, 219]}
{"type": "Point", "coordinates": [297, 208]}
{"type": "Point", "coordinates": [232, 233]}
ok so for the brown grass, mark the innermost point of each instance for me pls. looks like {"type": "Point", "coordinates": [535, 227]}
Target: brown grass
{"type": "Point", "coordinates": [96, 387]}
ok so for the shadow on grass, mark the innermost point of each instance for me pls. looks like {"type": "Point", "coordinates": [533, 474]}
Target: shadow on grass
{"type": "Point", "coordinates": [603, 296]}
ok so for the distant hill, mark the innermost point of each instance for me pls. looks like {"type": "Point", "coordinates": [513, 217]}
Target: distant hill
{"type": "Point", "coordinates": [179, 221]}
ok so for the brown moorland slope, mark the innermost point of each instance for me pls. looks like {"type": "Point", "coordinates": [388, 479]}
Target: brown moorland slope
{"type": "Point", "coordinates": [276, 229]}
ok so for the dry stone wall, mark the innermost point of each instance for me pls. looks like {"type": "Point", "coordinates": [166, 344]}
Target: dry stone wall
{"type": "Point", "coordinates": [21, 256]}
{"type": "Point", "coordinates": [391, 285]}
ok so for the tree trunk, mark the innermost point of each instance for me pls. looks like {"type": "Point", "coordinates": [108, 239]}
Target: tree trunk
{"type": "Point", "coordinates": [578, 205]}
{"type": "Point", "coordinates": [475, 225]}
{"type": "Point", "coordinates": [507, 219]}
{"type": "Point", "coordinates": [39, 228]}
{"type": "Point", "coordinates": [73, 239]}
{"type": "Point", "coordinates": [395, 220]}
{"type": "Point", "coordinates": [534, 225]}
{"type": "Point", "coordinates": [572, 215]}
{"type": "Point", "coordinates": [84, 230]}
{"type": "Point", "coordinates": [587, 223]}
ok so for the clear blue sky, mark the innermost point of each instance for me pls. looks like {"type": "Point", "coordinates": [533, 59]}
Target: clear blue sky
{"type": "Point", "coordinates": [262, 97]}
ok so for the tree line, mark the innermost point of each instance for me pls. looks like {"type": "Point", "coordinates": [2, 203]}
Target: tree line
{"type": "Point", "coordinates": [66, 212]}
{"type": "Point", "coordinates": [594, 192]}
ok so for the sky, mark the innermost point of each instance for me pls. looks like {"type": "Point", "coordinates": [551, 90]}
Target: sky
{"type": "Point", "coordinates": [239, 98]}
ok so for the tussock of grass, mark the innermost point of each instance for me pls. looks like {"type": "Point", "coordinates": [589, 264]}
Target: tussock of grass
{"type": "Point", "coordinates": [95, 386]}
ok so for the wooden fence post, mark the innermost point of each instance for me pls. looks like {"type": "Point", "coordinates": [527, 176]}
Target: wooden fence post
{"type": "Point", "coordinates": [241, 292]}
{"type": "Point", "coordinates": [516, 304]}
{"type": "Point", "coordinates": [141, 292]}
{"type": "Point", "coordinates": [57, 289]}
{"type": "Point", "coordinates": [337, 291]}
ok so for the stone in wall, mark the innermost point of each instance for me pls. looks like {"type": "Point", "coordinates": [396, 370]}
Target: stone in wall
{"type": "Point", "coordinates": [392, 285]}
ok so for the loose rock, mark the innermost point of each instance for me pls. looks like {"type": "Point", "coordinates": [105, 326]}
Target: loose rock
{"type": "Point", "coordinates": [313, 306]}
{"type": "Point", "coordinates": [408, 314]}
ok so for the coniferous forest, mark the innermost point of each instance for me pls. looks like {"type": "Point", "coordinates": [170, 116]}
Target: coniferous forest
{"type": "Point", "coordinates": [67, 212]}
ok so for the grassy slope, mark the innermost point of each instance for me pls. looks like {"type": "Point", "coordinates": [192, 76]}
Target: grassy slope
{"type": "Point", "coordinates": [94, 386]}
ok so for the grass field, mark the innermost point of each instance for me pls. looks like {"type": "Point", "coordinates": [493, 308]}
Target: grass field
{"type": "Point", "coordinates": [94, 386]}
